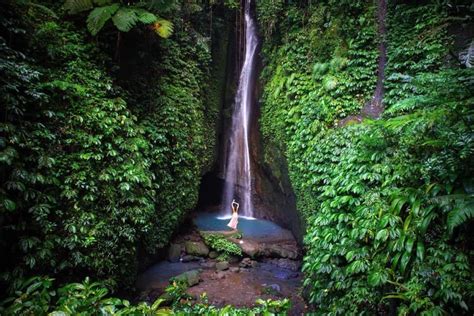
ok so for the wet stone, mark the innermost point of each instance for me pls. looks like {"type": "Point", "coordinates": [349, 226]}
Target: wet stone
{"type": "Point", "coordinates": [223, 265]}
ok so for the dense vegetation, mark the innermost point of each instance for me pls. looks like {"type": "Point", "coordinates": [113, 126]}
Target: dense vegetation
{"type": "Point", "coordinates": [95, 170]}
{"type": "Point", "coordinates": [388, 203]}
{"type": "Point", "coordinates": [110, 111]}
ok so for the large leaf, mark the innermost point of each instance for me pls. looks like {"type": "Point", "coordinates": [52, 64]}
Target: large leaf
{"type": "Point", "coordinates": [125, 19]}
{"type": "Point", "coordinates": [145, 16]}
{"type": "Point", "coordinates": [460, 214]}
{"type": "Point", "coordinates": [76, 6]}
{"type": "Point", "coordinates": [99, 16]}
{"type": "Point", "coordinates": [163, 28]}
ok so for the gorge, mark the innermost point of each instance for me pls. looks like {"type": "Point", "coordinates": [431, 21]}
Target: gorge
{"type": "Point", "coordinates": [344, 129]}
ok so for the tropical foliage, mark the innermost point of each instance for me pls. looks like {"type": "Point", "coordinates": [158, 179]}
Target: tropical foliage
{"type": "Point", "coordinates": [37, 296]}
{"type": "Point", "coordinates": [95, 172]}
{"type": "Point", "coordinates": [388, 203]}
{"type": "Point", "coordinates": [123, 16]}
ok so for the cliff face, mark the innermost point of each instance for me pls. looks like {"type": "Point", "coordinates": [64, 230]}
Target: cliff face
{"type": "Point", "coordinates": [273, 196]}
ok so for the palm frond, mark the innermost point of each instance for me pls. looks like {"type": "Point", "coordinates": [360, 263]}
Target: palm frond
{"type": "Point", "coordinates": [99, 16]}
{"type": "Point", "coordinates": [76, 6]}
{"type": "Point", "coordinates": [163, 28]}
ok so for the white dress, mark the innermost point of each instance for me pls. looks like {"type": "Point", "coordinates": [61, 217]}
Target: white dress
{"type": "Point", "coordinates": [234, 220]}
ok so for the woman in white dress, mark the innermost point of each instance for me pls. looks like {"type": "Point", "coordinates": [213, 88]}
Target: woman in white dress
{"type": "Point", "coordinates": [234, 220]}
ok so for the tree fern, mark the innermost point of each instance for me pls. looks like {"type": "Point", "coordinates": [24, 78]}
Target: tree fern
{"type": "Point", "coordinates": [76, 6]}
{"type": "Point", "coordinates": [99, 16]}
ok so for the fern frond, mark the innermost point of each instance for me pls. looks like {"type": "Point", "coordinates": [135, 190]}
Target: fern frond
{"type": "Point", "coordinates": [99, 16]}
{"type": "Point", "coordinates": [460, 215]}
{"type": "Point", "coordinates": [163, 28]}
{"type": "Point", "coordinates": [462, 210]}
{"type": "Point", "coordinates": [467, 56]}
{"type": "Point", "coordinates": [76, 6]}
{"type": "Point", "coordinates": [145, 16]}
{"type": "Point", "coordinates": [43, 8]}
{"type": "Point", "coordinates": [101, 3]}
{"type": "Point", "coordinates": [125, 19]}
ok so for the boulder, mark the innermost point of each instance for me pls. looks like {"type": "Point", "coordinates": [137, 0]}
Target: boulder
{"type": "Point", "coordinates": [191, 278]}
{"type": "Point", "coordinates": [189, 258]}
{"type": "Point", "coordinates": [246, 263]}
{"type": "Point", "coordinates": [285, 263]}
{"type": "Point", "coordinates": [280, 251]}
{"type": "Point", "coordinates": [233, 259]}
{"type": "Point", "coordinates": [213, 254]}
{"type": "Point", "coordinates": [174, 253]}
{"type": "Point", "coordinates": [196, 248]}
{"type": "Point", "coordinates": [250, 248]}
{"type": "Point", "coordinates": [209, 264]}
{"type": "Point", "coordinates": [223, 265]}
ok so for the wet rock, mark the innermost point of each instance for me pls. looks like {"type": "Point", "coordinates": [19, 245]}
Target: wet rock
{"type": "Point", "coordinates": [213, 254]}
{"type": "Point", "coordinates": [233, 259]}
{"type": "Point", "coordinates": [250, 248]}
{"type": "Point", "coordinates": [272, 289]}
{"type": "Point", "coordinates": [191, 278]}
{"type": "Point", "coordinates": [208, 264]}
{"type": "Point", "coordinates": [283, 251]}
{"type": "Point", "coordinates": [293, 265]}
{"type": "Point", "coordinates": [189, 258]}
{"type": "Point", "coordinates": [223, 265]}
{"type": "Point", "coordinates": [275, 287]}
{"type": "Point", "coordinates": [234, 269]}
{"type": "Point", "coordinates": [174, 252]}
{"type": "Point", "coordinates": [196, 248]}
{"type": "Point", "coordinates": [248, 263]}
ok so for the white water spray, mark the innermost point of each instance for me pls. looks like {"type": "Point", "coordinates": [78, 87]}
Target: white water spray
{"type": "Point", "coordinates": [238, 177]}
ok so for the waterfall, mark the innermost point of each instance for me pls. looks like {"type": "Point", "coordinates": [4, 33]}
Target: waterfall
{"type": "Point", "coordinates": [238, 173]}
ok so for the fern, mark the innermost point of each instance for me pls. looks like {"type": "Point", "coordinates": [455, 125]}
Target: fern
{"type": "Point", "coordinates": [125, 19]}
{"type": "Point", "coordinates": [467, 56]}
{"type": "Point", "coordinates": [163, 28]}
{"type": "Point", "coordinates": [76, 6]}
{"type": "Point", "coordinates": [463, 212]}
{"type": "Point", "coordinates": [99, 16]}
{"type": "Point", "coordinates": [145, 17]}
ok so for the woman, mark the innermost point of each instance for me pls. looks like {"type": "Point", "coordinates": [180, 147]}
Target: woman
{"type": "Point", "coordinates": [234, 220]}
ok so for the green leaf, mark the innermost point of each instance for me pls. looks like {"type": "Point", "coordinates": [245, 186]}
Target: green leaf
{"type": "Point", "coordinates": [77, 6]}
{"type": "Point", "coordinates": [9, 205]}
{"type": "Point", "coordinates": [145, 17]}
{"type": "Point", "coordinates": [163, 28]}
{"type": "Point", "coordinates": [420, 250]}
{"type": "Point", "coordinates": [125, 19]}
{"type": "Point", "coordinates": [99, 16]}
{"type": "Point", "coordinates": [460, 215]}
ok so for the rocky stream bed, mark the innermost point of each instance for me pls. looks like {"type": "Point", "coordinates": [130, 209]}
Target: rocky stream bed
{"type": "Point", "coordinates": [269, 268]}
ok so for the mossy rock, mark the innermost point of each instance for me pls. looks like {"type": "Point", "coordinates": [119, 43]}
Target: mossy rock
{"type": "Point", "coordinates": [196, 248]}
{"type": "Point", "coordinates": [190, 278]}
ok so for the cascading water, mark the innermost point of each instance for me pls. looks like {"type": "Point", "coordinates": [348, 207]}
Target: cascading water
{"type": "Point", "coordinates": [238, 177]}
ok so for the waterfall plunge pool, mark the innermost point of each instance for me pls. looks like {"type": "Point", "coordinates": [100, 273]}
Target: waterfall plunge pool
{"type": "Point", "coordinates": [249, 226]}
